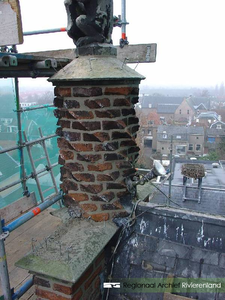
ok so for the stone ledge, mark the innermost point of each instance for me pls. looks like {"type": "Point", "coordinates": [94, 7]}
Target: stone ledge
{"type": "Point", "coordinates": [80, 240]}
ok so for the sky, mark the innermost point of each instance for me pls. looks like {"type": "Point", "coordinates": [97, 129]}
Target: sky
{"type": "Point", "coordinates": [189, 36]}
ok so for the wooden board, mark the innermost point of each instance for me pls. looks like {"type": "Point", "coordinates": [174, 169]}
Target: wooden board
{"type": "Point", "coordinates": [142, 53]}
{"type": "Point", "coordinates": [17, 208]}
{"type": "Point", "coordinates": [19, 243]}
{"type": "Point", "coordinates": [10, 23]}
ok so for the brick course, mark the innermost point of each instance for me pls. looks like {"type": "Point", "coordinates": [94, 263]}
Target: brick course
{"type": "Point", "coordinates": [97, 145]}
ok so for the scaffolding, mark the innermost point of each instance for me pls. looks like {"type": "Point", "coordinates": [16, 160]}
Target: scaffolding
{"type": "Point", "coordinates": [14, 65]}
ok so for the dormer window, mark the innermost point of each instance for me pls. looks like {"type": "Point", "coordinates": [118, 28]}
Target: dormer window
{"type": "Point", "coordinates": [218, 126]}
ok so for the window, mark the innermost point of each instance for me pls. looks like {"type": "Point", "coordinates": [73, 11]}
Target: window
{"type": "Point", "coordinates": [198, 147]}
{"type": "Point", "coordinates": [218, 126]}
{"type": "Point", "coordinates": [180, 111]}
{"type": "Point", "coordinates": [197, 137]}
{"type": "Point", "coordinates": [143, 131]}
{"type": "Point", "coordinates": [180, 149]}
{"type": "Point", "coordinates": [149, 106]}
{"type": "Point", "coordinates": [162, 148]}
{"type": "Point", "coordinates": [151, 122]}
{"type": "Point", "coordinates": [188, 112]}
{"type": "Point", "coordinates": [149, 132]}
{"type": "Point", "coordinates": [191, 147]}
{"type": "Point", "coordinates": [164, 136]}
{"type": "Point", "coordinates": [178, 136]}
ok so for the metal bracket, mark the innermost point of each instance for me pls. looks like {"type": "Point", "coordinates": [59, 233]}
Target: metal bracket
{"type": "Point", "coordinates": [4, 235]}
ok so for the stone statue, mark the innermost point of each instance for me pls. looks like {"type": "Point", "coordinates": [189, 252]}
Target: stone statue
{"type": "Point", "coordinates": [89, 21]}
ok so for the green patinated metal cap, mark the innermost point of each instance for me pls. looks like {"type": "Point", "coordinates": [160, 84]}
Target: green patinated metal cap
{"type": "Point", "coordinates": [102, 65]}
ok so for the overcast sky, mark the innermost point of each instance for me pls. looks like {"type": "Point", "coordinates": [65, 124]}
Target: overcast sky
{"type": "Point", "coordinates": [189, 34]}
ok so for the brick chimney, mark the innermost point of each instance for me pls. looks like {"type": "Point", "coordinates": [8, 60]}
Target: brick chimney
{"type": "Point", "coordinates": [95, 96]}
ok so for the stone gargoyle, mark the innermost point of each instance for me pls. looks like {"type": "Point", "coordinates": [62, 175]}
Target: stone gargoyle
{"type": "Point", "coordinates": [89, 21]}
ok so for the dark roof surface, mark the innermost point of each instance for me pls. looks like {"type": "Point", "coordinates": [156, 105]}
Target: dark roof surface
{"type": "Point", "coordinates": [157, 100]}
{"type": "Point", "coordinates": [166, 108]}
{"type": "Point", "coordinates": [183, 131]}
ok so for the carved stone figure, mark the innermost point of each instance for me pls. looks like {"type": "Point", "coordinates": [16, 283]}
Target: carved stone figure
{"type": "Point", "coordinates": [89, 21]}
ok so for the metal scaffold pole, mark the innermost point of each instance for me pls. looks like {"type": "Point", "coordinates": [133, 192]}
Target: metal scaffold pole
{"type": "Point", "coordinates": [171, 162]}
{"type": "Point", "coordinates": [4, 275]}
{"type": "Point", "coordinates": [20, 138]}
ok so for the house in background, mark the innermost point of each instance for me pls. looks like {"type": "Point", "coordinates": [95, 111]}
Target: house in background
{"type": "Point", "coordinates": [190, 108]}
{"type": "Point", "coordinates": [187, 141]}
{"type": "Point", "coordinates": [213, 137]}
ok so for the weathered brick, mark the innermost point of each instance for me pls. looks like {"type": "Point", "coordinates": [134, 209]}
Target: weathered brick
{"type": "Point", "coordinates": [59, 131]}
{"type": "Point", "coordinates": [106, 197]}
{"type": "Point", "coordinates": [71, 104]}
{"type": "Point", "coordinates": [71, 136]}
{"type": "Point", "coordinates": [49, 295]}
{"type": "Point", "coordinates": [63, 123]}
{"type": "Point", "coordinates": [97, 103]}
{"type": "Point", "coordinates": [128, 143]}
{"type": "Point", "coordinates": [129, 172]}
{"type": "Point", "coordinates": [88, 207]}
{"type": "Point", "coordinates": [121, 91]}
{"type": "Point", "coordinates": [86, 126]}
{"type": "Point", "coordinates": [84, 177]}
{"type": "Point", "coordinates": [63, 143]}
{"type": "Point", "coordinates": [74, 167]}
{"type": "Point", "coordinates": [98, 217]}
{"type": "Point", "coordinates": [79, 197]}
{"type": "Point", "coordinates": [100, 258]}
{"type": "Point", "coordinates": [41, 282]}
{"type": "Point", "coordinates": [122, 194]}
{"type": "Point", "coordinates": [113, 113]}
{"type": "Point", "coordinates": [111, 206]}
{"type": "Point", "coordinates": [58, 102]}
{"type": "Point", "coordinates": [121, 102]}
{"type": "Point", "coordinates": [103, 177]}
{"type": "Point", "coordinates": [96, 137]}
{"type": "Point", "coordinates": [123, 153]}
{"type": "Point", "coordinates": [120, 135]}
{"type": "Point", "coordinates": [66, 155]}
{"type": "Point", "coordinates": [107, 146]}
{"type": "Point", "coordinates": [83, 278]}
{"type": "Point", "coordinates": [93, 276]}
{"type": "Point", "coordinates": [124, 165]}
{"type": "Point", "coordinates": [87, 92]}
{"type": "Point", "coordinates": [92, 189]}
{"type": "Point", "coordinates": [61, 161]}
{"type": "Point", "coordinates": [108, 177]}
{"type": "Point", "coordinates": [134, 100]}
{"type": "Point", "coordinates": [133, 120]}
{"type": "Point", "coordinates": [100, 167]}
{"type": "Point", "coordinates": [126, 112]}
{"type": "Point", "coordinates": [134, 129]}
{"type": "Point", "coordinates": [97, 283]}
{"type": "Point", "coordinates": [108, 125]}
{"type": "Point", "coordinates": [89, 157]}
{"type": "Point", "coordinates": [82, 147]}
{"type": "Point", "coordinates": [116, 186]}
{"type": "Point", "coordinates": [121, 214]}
{"type": "Point", "coordinates": [133, 149]}
{"type": "Point", "coordinates": [69, 185]}
{"type": "Point", "coordinates": [62, 288]}
{"type": "Point", "coordinates": [80, 115]}
{"type": "Point", "coordinates": [78, 295]}
{"type": "Point", "coordinates": [58, 113]}
{"type": "Point", "coordinates": [113, 156]}
{"type": "Point", "coordinates": [62, 92]}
